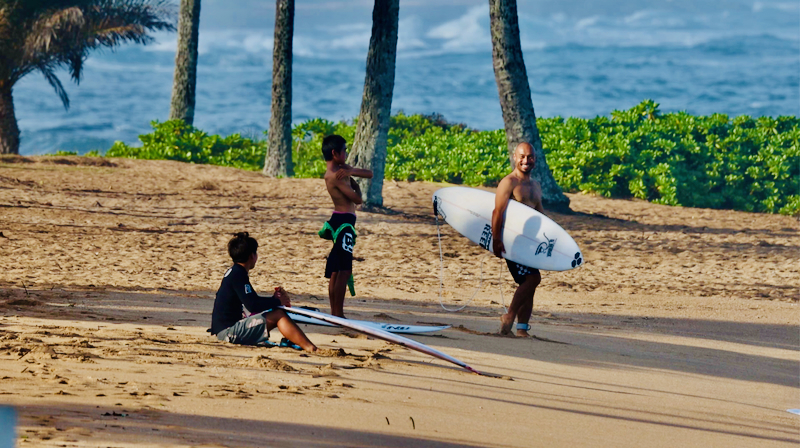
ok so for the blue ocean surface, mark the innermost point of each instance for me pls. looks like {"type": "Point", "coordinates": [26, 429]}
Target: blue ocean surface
{"type": "Point", "coordinates": [583, 58]}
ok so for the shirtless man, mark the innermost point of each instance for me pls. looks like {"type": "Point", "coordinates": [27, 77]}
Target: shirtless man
{"type": "Point", "coordinates": [518, 186]}
{"type": "Point", "coordinates": [345, 194]}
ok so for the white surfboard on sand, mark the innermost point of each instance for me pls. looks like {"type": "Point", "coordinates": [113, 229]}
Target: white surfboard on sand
{"type": "Point", "coordinates": [391, 328]}
{"type": "Point", "coordinates": [380, 334]}
{"type": "Point", "coordinates": [530, 238]}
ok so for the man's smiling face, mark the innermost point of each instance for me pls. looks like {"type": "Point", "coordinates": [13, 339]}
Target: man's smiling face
{"type": "Point", "coordinates": [525, 158]}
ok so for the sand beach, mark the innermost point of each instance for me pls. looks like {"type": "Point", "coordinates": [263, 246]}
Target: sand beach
{"type": "Point", "coordinates": [680, 330]}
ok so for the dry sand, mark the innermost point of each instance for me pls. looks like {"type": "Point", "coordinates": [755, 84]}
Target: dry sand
{"type": "Point", "coordinates": [680, 330]}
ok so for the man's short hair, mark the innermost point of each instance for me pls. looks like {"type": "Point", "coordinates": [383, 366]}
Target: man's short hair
{"type": "Point", "coordinates": [330, 144]}
{"type": "Point", "coordinates": [241, 247]}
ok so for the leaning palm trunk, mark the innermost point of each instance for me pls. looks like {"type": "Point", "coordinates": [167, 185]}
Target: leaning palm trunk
{"type": "Point", "coordinates": [372, 131]}
{"type": "Point", "coordinates": [278, 161]}
{"type": "Point", "coordinates": [515, 96]}
{"type": "Point", "coordinates": [9, 132]}
{"type": "Point", "coordinates": [185, 80]}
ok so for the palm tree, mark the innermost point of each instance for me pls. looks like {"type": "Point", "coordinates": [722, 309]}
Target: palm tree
{"type": "Point", "coordinates": [278, 161]}
{"type": "Point", "coordinates": [185, 80]}
{"type": "Point", "coordinates": [515, 96]}
{"type": "Point", "coordinates": [372, 130]}
{"type": "Point", "coordinates": [45, 35]}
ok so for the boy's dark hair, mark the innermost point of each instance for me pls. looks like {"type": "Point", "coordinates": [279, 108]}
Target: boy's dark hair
{"type": "Point", "coordinates": [241, 247]}
{"type": "Point", "coordinates": [332, 143]}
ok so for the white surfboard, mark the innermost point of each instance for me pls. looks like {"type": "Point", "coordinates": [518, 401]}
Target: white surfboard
{"type": "Point", "coordinates": [530, 238]}
{"type": "Point", "coordinates": [381, 334]}
{"type": "Point", "coordinates": [391, 328]}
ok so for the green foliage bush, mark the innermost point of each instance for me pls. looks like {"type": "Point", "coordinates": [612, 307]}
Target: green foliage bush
{"type": "Point", "coordinates": [176, 140]}
{"type": "Point", "coordinates": [675, 159]}
{"type": "Point", "coordinates": [679, 159]}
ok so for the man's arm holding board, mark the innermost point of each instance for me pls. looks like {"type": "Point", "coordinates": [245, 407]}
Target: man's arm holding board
{"type": "Point", "coordinates": [501, 198]}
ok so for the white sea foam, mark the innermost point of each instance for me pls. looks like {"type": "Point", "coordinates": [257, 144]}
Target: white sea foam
{"type": "Point", "coordinates": [410, 35]}
{"type": "Point", "coordinates": [469, 32]}
{"type": "Point", "coordinates": [780, 6]}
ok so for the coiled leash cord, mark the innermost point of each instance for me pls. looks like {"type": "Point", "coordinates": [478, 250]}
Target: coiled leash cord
{"type": "Point", "coordinates": [480, 282]}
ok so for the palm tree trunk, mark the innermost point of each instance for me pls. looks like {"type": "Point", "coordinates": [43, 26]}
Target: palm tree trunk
{"type": "Point", "coordinates": [372, 131]}
{"type": "Point", "coordinates": [9, 132]}
{"type": "Point", "coordinates": [279, 147]}
{"type": "Point", "coordinates": [185, 80]}
{"type": "Point", "coordinates": [515, 96]}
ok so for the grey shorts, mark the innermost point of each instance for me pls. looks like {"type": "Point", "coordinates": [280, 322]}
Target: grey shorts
{"type": "Point", "coordinates": [248, 331]}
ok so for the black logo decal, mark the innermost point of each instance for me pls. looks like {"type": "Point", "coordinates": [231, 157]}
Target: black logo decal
{"type": "Point", "coordinates": [348, 242]}
{"type": "Point", "coordinates": [389, 327]}
{"type": "Point", "coordinates": [486, 237]}
{"type": "Point", "coordinates": [578, 260]}
{"type": "Point", "coordinates": [546, 247]}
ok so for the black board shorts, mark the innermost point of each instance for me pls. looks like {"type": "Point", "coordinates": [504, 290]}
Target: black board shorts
{"type": "Point", "coordinates": [520, 271]}
{"type": "Point", "coordinates": [341, 256]}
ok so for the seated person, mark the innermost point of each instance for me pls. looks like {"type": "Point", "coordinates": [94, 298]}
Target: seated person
{"type": "Point", "coordinates": [235, 292]}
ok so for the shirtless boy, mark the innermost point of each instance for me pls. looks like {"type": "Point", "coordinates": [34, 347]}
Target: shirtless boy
{"type": "Point", "coordinates": [345, 194]}
{"type": "Point", "coordinates": [235, 292]}
{"type": "Point", "coordinates": [518, 186]}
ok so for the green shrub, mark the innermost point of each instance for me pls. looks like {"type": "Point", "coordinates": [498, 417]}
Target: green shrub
{"type": "Point", "coordinates": [176, 140]}
{"type": "Point", "coordinates": [307, 144]}
{"type": "Point", "coordinates": [674, 159]}
{"type": "Point", "coordinates": [679, 159]}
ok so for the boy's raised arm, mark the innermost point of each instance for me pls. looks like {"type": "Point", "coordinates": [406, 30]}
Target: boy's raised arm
{"type": "Point", "coordinates": [348, 170]}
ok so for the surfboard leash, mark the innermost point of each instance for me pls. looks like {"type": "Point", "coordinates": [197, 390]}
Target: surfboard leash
{"type": "Point", "coordinates": [441, 275]}
{"type": "Point", "coordinates": [480, 283]}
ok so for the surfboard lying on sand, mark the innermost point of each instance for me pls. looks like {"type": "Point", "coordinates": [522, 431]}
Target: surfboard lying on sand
{"type": "Point", "coordinates": [380, 334]}
{"type": "Point", "coordinates": [391, 328]}
{"type": "Point", "coordinates": [530, 238]}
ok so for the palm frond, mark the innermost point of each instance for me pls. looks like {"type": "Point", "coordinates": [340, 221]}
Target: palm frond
{"type": "Point", "coordinates": [46, 35]}
{"type": "Point", "coordinates": [53, 80]}
{"type": "Point", "coordinates": [61, 33]}
{"type": "Point", "coordinates": [52, 28]}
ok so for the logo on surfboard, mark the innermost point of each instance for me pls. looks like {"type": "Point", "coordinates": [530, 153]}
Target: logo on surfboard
{"type": "Point", "coordinates": [437, 208]}
{"type": "Point", "coordinates": [486, 237]}
{"type": "Point", "coordinates": [546, 247]}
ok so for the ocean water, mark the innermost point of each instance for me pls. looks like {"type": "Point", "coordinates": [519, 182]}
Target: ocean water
{"type": "Point", "coordinates": [584, 58]}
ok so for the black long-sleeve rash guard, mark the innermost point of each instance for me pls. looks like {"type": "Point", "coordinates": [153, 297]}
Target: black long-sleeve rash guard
{"type": "Point", "coordinates": [234, 292]}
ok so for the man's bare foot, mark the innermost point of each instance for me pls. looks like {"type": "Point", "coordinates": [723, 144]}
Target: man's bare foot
{"type": "Point", "coordinates": [522, 329]}
{"type": "Point", "coordinates": [506, 322]}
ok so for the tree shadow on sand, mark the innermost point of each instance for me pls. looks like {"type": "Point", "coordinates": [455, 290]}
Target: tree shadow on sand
{"type": "Point", "coordinates": [109, 426]}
